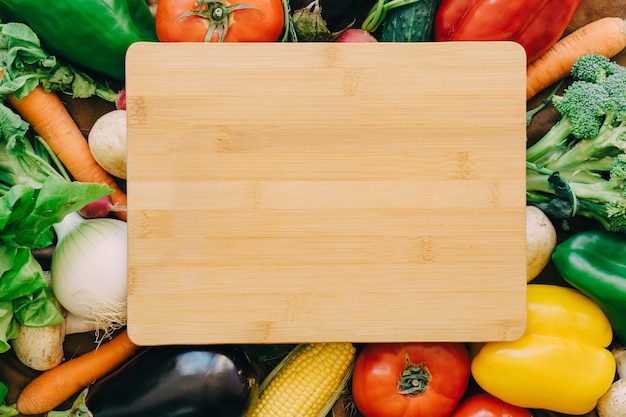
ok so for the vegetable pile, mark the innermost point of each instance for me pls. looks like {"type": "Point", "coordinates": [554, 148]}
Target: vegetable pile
{"type": "Point", "coordinates": [64, 347]}
{"type": "Point", "coordinates": [579, 167]}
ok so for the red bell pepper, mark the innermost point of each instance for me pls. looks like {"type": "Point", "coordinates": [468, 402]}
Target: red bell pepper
{"type": "Point", "coordinates": [534, 24]}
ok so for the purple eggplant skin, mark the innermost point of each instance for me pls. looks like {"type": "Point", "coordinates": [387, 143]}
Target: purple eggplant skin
{"type": "Point", "coordinates": [177, 381]}
{"type": "Point", "coordinates": [337, 15]}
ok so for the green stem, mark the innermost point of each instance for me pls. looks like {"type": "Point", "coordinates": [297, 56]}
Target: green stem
{"type": "Point", "coordinates": [8, 411]}
{"type": "Point", "coordinates": [588, 148]}
{"type": "Point", "coordinates": [290, 34]}
{"type": "Point", "coordinates": [106, 93]}
{"type": "Point", "coordinates": [69, 223]}
{"type": "Point", "coordinates": [378, 12]}
{"type": "Point", "coordinates": [544, 103]}
{"type": "Point", "coordinates": [79, 407]}
{"type": "Point", "coordinates": [600, 190]}
{"type": "Point", "coordinates": [414, 379]}
{"type": "Point", "coordinates": [55, 159]}
{"type": "Point", "coordinates": [42, 166]}
{"type": "Point", "coordinates": [596, 212]}
{"type": "Point", "coordinates": [555, 137]}
{"type": "Point", "coordinates": [217, 14]}
{"type": "Point", "coordinates": [537, 180]}
{"type": "Point", "coordinates": [532, 197]}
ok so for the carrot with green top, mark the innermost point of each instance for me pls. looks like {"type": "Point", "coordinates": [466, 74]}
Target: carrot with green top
{"type": "Point", "coordinates": [49, 117]}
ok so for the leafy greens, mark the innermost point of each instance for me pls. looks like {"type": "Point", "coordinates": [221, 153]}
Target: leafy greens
{"type": "Point", "coordinates": [35, 190]}
{"type": "Point", "coordinates": [26, 65]}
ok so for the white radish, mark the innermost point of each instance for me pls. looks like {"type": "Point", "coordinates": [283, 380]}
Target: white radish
{"type": "Point", "coordinates": [107, 142]}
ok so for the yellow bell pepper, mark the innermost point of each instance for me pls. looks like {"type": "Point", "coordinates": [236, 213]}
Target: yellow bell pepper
{"type": "Point", "coordinates": [561, 362]}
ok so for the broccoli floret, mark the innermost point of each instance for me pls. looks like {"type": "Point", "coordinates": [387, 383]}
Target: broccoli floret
{"type": "Point", "coordinates": [582, 106]}
{"type": "Point", "coordinates": [617, 171]}
{"type": "Point", "coordinates": [584, 103]}
{"type": "Point", "coordinates": [615, 85]}
{"type": "Point", "coordinates": [616, 215]}
{"type": "Point", "coordinates": [594, 68]}
{"type": "Point", "coordinates": [579, 167]}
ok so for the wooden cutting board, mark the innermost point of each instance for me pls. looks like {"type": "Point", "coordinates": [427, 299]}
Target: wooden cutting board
{"type": "Point", "coordinates": [308, 192]}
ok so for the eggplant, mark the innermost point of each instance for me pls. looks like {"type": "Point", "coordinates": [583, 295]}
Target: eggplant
{"type": "Point", "coordinates": [173, 381]}
{"type": "Point", "coordinates": [322, 20]}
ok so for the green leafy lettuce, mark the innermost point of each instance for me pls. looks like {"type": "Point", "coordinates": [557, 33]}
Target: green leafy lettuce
{"type": "Point", "coordinates": [26, 65]}
{"type": "Point", "coordinates": [35, 190]}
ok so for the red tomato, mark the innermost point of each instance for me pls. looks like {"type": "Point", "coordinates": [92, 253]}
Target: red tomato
{"type": "Point", "coordinates": [232, 20]}
{"type": "Point", "coordinates": [410, 379]}
{"type": "Point", "coordinates": [486, 405]}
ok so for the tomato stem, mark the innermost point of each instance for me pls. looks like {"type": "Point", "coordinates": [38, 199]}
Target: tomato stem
{"type": "Point", "coordinates": [217, 14]}
{"type": "Point", "coordinates": [414, 378]}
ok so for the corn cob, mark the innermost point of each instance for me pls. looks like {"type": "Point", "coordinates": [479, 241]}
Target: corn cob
{"type": "Point", "coordinates": [306, 383]}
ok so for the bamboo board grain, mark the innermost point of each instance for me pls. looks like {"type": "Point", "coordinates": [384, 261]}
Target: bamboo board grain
{"type": "Point", "coordinates": [284, 193]}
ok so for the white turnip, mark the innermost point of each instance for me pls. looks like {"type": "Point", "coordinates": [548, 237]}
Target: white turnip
{"type": "Point", "coordinates": [39, 348]}
{"type": "Point", "coordinates": [107, 142]}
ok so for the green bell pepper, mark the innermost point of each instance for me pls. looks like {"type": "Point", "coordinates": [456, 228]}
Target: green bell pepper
{"type": "Point", "coordinates": [94, 34]}
{"type": "Point", "coordinates": [594, 262]}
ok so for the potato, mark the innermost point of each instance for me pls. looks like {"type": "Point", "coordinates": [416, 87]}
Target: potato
{"type": "Point", "coordinates": [107, 142]}
{"type": "Point", "coordinates": [613, 402]}
{"type": "Point", "coordinates": [39, 348]}
{"type": "Point", "coordinates": [540, 241]}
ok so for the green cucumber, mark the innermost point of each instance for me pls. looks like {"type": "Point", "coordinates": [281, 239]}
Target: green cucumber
{"type": "Point", "coordinates": [412, 22]}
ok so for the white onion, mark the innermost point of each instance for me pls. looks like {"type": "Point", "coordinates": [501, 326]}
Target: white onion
{"type": "Point", "coordinates": [89, 269]}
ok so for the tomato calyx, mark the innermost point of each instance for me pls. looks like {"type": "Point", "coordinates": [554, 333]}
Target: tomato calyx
{"type": "Point", "coordinates": [217, 14]}
{"type": "Point", "coordinates": [413, 379]}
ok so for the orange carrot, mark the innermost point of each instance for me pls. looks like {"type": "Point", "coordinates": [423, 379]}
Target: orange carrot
{"type": "Point", "coordinates": [605, 36]}
{"type": "Point", "coordinates": [53, 387]}
{"type": "Point", "coordinates": [49, 117]}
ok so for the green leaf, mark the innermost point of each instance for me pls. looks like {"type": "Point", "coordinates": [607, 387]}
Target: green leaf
{"type": "Point", "coordinates": [26, 218]}
{"type": "Point", "coordinates": [13, 131]}
{"type": "Point", "coordinates": [20, 273]}
{"type": "Point", "coordinates": [6, 410]}
{"type": "Point", "coordinates": [27, 214]}
{"type": "Point", "coordinates": [4, 390]}
{"type": "Point", "coordinates": [19, 163]}
{"type": "Point", "coordinates": [15, 205]}
{"type": "Point", "coordinates": [563, 191]}
{"type": "Point", "coordinates": [26, 66]}
{"type": "Point", "coordinates": [8, 328]}
{"type": "Point", "coordinates": [38, 309]}
{"type": "Point", "coordinates": [26, 299]}
{"type": "Point", "coordinates": [23, 50]}
{"type": "Point", "coordinates": [56, 199]}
